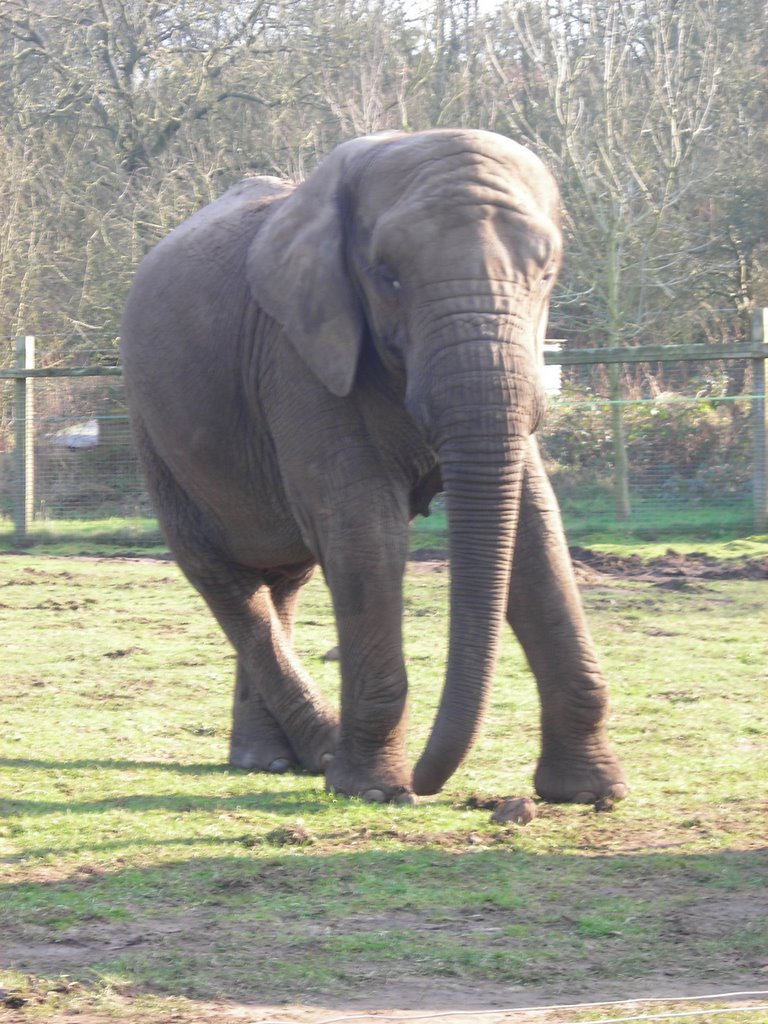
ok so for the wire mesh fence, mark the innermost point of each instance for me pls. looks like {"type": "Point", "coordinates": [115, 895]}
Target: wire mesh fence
{"type": "Point", "coordinates": [689, 458]}
{"type": "Point", "coordinates": [689, 464]}
{"type": "Point", "coordinates": [86, 473]}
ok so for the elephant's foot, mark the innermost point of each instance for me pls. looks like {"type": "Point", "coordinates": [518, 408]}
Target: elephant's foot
{"type": "Point", "coordinates": [316, 751]}
{"type": "Point", "coordinates": [271, 755]}
{"type": "Point", "coordinates": [261, 755]}
{"type": "Point", "coordinates": [261, 742]}
{"type": "Point", "coordinates": [376, 785]}
{"type": "Point", "coordinates": [580, 780]}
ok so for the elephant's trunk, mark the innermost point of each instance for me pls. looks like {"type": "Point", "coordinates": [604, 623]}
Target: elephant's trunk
{"type": "Point", "coordinates": [479, 420]}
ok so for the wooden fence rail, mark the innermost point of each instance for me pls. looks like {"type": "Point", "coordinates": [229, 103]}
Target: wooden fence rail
{"type": "Point", "coordinates": [24, 374]}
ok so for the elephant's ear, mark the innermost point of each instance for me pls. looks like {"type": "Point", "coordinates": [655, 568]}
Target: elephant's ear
{"type": "Point", "coordinates": [297, 270]}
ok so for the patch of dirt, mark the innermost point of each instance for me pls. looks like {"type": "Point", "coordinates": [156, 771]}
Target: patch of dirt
{"type": "Point", "coordinates": [351, 839]}
{"type": "Point", "coordinates": [384, 991]}
{"type": "Point", "coordinates": [593, 567]}
{"type": "Point", "coordinates": [400, 1000]}
{"type": "Point", "coordinates": [429, 560]}
{"type": "Point", "coordinates": [696, 565]}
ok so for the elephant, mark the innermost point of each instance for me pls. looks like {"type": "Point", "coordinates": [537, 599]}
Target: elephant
{"type": "Point", "coordinates": [306, 367]}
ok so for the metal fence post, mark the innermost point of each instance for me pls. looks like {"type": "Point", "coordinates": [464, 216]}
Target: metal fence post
{"type": "Point", "coordinates": [760, 423]}
{"type": "Point", "coordinates": [24, 417]}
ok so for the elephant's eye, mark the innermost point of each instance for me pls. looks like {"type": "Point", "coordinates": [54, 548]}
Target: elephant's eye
{"type": "Point", "coordinates": [387, 279]}
{"type": "Point", "coordinates": [548, 277]}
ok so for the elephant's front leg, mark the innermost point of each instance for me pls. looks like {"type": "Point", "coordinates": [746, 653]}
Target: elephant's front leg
{"type": "Point", "coordinates": [364, 569]}
{"type": "Point", "coordinates": [545, 611]}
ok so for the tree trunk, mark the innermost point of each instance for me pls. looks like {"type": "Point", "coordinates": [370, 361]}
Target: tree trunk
{"type": "Point", "coordinates": [620, 466]}
{"type": "Point", "coordinates": [620, 463]}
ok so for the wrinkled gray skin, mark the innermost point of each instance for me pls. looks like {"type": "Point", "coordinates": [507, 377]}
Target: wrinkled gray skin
{"type": "Point", "coordinates": [307, 366]}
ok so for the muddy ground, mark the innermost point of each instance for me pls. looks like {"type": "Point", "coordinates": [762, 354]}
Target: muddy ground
{"type": "Point", "coordinates": [672, 568]}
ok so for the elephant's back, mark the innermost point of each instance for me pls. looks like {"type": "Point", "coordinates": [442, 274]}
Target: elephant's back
{"type": "Point", "coordinates": [188, 333]}
{"type": "Point", "coordinates": [197, 272]}
{"type": "Point", "coordinates": [186, 311]}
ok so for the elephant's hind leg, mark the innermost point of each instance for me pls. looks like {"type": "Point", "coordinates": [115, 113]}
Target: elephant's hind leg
{"type": "Point", "coordinates": [278, 715]}
{"type": "Point", "coordinates": [545, 611]}
{"type": "Point", "coordinates": [257, 741]}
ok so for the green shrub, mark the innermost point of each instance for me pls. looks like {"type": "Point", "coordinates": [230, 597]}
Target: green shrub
{"type": "Point", "coordinates": [684, 449]}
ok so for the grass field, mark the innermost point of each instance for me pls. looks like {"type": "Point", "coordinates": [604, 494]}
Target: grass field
{"type": "Point", "coordinates": [145, 881]}
{"type": "Point", "coordinates": [588, 522]}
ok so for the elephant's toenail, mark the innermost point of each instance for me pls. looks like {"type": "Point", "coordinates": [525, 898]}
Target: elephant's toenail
{"type": "Point", "coordinates": [406, 798]}
{"type": "Point", "coordinates": [279, 765]}
{"type": "Point", "coordinates": [374, 796]}
{"type": "Point", "coordinates": [618, 792]}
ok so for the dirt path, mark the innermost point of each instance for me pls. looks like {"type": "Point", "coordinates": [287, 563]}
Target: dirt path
{"type": "Point", "coordinates": [403, 1000]}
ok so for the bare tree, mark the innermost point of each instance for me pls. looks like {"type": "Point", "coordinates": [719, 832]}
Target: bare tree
{"type": "Point", "coordinates": [118, 119]}
{"type": "Point", "coordinates": [107, 101]}
{"type": "Point", "coordinates": [617, 96]}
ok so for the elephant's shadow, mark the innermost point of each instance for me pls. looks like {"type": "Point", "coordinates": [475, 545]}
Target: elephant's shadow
{"type": "Point", "coordinates": [181, 926]}
{"type": "Point", "coordinates": [269, 799]}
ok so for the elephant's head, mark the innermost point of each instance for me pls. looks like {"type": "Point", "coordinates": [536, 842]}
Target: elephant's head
{"type": "Point", "coordinates": [441, 250]}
